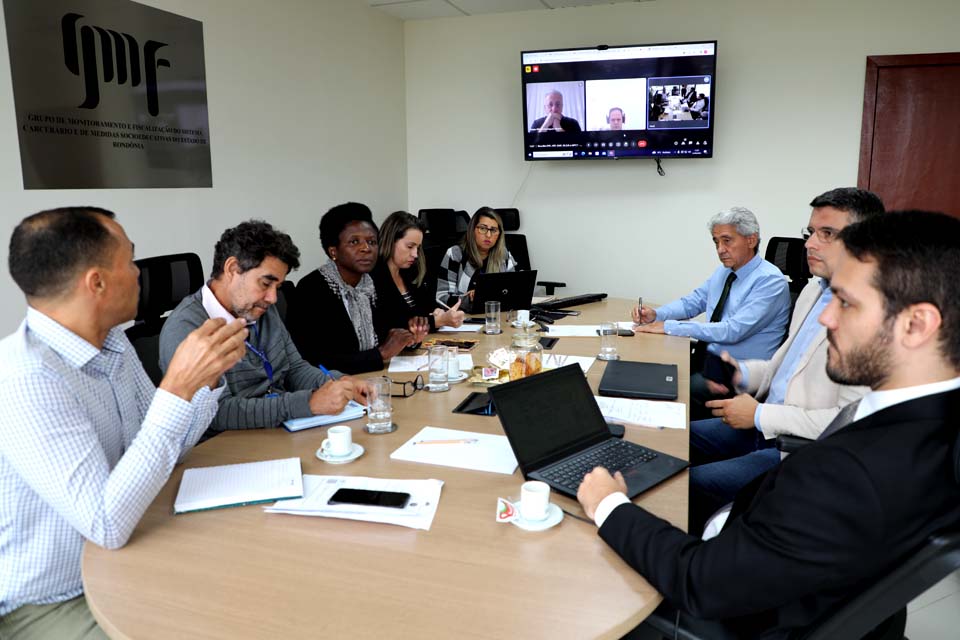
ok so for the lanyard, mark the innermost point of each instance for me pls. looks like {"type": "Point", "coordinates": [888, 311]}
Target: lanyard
{"type": "Point", "coordinates": [267, 367]}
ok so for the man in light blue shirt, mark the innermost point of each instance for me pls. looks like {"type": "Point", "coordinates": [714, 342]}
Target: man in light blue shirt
{"type": "Point", "coordinates": [746, 300]}
{"type": "Point", "coordinates": [86, 441]}
{"type": "Point", "coordinates": [787, 394]}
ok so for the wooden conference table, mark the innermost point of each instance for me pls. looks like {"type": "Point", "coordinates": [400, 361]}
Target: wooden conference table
{"type": "Point", "coordinates": [243, 573]}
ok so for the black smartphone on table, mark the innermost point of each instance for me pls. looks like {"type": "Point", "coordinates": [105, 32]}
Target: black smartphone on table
{"type": "Point", "coordinates": [548, 343]}
{"type": "Point", "coordinates": [369, 498]}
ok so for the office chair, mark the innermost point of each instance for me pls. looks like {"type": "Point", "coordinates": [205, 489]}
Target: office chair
{"type": "Point", "coordinates": [790, 256]}
{"type": "Point", "coordinates": [285, 298]}
{"type": "Point", "coordinates": [517, 246]}
{"type": "Point", "coordinates": [164, 282]}
{"type": "Point", "coordinates": [445, 228]}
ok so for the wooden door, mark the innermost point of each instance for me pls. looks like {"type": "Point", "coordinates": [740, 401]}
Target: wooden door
{"type": "Point", "coordinates": [910, 138]}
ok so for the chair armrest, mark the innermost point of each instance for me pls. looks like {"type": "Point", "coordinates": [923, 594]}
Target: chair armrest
{"type": "Point", "coordinates": [790, 444]}
{"type": "Point", "coordinates": [550, 285]}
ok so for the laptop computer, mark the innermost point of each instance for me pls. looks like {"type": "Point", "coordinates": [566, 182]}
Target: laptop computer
{"type": "Point", "coordinates": [513, 289]}
{"type": "Point", "coordinates": [558, 434]}
{"type": "Point", "coordinates": [646, 380]}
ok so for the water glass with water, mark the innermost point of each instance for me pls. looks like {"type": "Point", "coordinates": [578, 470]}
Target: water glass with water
{"type": "Point", "coordinates": [437, 361]}
{"type": "Point", "coordinates": [608, 341]}
{"type": "Point", "coordinates": [379, 406]}
{"type": "Point", "coordinates": [492, 310]}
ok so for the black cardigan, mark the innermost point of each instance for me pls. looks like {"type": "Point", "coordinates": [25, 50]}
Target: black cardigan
{"type": "Point", "coordinates": [323, 332]}
{"type": "Point", "coordinates": [393, 309]}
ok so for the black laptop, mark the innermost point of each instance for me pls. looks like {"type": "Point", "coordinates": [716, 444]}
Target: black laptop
{"type": "Point", "coordinates": [558, 435]}
{"type": "Point", "coordinates": [645, 380]}
{"type": "Point", "coordinates": [513, 289]}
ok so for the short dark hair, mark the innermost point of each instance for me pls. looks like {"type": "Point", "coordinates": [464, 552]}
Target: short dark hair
{"type": "Point", "coordinates": [860, 204]}
{"type": "Point", "coordinates": [251, 242]}
{"type": "Point", "coordinates": [50, 248]}
{"type": "Point", "coordinates": [336, 220]}
{"type": "Point", "coordinates": [918, 260]}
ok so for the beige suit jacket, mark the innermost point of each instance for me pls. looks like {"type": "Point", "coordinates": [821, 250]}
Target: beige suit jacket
{"type": "Point", "coordinates": [812, 399]}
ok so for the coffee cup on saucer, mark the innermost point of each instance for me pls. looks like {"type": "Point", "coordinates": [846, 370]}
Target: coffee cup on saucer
{"type": "Point", "coordinates": [339, 441]}
{"type": "Point", "coordinates": [534, 500]}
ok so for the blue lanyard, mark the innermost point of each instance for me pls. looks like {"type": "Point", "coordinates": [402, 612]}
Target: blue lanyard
{"type": "Point", "coordinates": [267, 367]}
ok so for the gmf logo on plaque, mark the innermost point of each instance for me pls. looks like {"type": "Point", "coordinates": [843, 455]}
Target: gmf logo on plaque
{"type": "Point", "coordinates": [108, 94]}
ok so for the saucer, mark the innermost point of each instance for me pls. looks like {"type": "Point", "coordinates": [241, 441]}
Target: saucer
{"type": "Point", "coordinates": [463, 375]}
{"type": "Point", "coordinates": [516, 324]}
{"type": "Point", "coordinates": [554, 516]}
{"type": "Point", "coordinates": [355, 453]}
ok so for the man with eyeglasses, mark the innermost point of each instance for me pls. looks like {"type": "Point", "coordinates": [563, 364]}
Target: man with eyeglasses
{"type": "Point", "coordinates": [272, 382]}
{"type": "Point", "coordinates": [788, 394]}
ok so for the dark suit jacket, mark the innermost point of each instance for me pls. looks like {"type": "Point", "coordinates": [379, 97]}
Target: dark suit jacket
{"type": "Point", "coordinates": [322, 330]}
{"type": "Point", "coordinates": [813, 532]}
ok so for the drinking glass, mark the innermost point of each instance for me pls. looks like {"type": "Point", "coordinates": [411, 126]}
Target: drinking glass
{"type": "Point", "coordinates": [608, 341]}
{"type": "Point", "coordinates": [492, 310]}
{"type": "Point", "coordinates": [379, 406]}
{"type": "Point", "coordinates": [437, 359]}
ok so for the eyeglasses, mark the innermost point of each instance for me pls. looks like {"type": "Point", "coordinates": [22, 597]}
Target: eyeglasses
{"type": "Point", "coordinates": [487, 231]}
{"type": "Point", "coordinates": [407, 388]}
{"type": "Point", "coordinates": [824, 234]}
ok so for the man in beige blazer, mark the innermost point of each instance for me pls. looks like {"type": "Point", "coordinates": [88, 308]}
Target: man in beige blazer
{"type": "Point", "coordinates": [788, 394]}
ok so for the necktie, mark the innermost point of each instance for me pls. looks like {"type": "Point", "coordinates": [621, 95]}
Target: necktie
{"type": "Point", "coordinates": [718, 310]}
{"type": "Point", "coordinates": [843, 418]}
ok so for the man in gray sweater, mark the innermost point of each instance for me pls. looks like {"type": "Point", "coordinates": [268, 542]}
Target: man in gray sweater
{"type": "Point", "coordinates": [272, 383]}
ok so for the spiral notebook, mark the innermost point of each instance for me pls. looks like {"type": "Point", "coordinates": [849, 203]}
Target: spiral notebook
{"type": "Point", "coordinates": [234, 485]}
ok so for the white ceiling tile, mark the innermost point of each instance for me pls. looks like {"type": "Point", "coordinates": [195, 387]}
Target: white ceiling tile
{"type": "Point", "coordinates": [419, 9]}
{"type": "Point", "coordinates": [476, 7]}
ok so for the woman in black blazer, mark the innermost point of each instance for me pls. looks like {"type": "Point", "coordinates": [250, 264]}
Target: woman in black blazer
{"type": "Point", "coordinates": [402, 295]}
{"type": "Point", "coordinates": [336, 321]}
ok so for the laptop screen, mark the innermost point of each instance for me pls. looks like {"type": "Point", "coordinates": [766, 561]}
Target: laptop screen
{"type": "Point", "coordinates": [549, 415]}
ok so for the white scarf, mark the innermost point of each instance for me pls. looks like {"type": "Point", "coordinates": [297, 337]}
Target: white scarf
{"type": "Point", "coordinates": [360, 302]}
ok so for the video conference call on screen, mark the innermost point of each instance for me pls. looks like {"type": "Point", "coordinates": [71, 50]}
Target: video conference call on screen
{"type": "Point", "coordinates": [619, 102]}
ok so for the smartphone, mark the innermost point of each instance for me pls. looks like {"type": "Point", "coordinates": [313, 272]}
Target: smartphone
{"type": "Point", "coordinates": [548, 343]}
{"type": "Point", "coordinates": [369, 498]}
{"type": "Point", "coordinates": [624, 333]}
{"type": "Point", "coordinates": [477, 403]}
{"type": "Point", "coordinates": [717, 369]}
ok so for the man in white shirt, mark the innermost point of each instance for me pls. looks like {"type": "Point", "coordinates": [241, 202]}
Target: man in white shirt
{"type": "Point", "coordinates": [834, 516]}
{"type": "Point", "coordinates": [86, 441]}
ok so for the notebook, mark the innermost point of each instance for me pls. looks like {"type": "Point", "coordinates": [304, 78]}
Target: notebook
{"type": "Point", "coordinates": [557, 434]}
{"type": "Point", "coordinates": [514, 289]}
{"type": "Point", "coordinates": [352, 411]}
{"type": "Point", "coordinates": [647, 380]}
{"type": "Point", "coordinates": [233, 485]}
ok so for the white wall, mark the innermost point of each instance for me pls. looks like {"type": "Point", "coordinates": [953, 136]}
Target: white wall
{"type": "Point", "coordinates": [788, 109]}
{"type": "Point", "coordinates": [306, 110]}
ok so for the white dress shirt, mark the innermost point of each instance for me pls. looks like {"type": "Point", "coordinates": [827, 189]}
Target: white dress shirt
{"type": "Point", "coordinates": [86, 443]}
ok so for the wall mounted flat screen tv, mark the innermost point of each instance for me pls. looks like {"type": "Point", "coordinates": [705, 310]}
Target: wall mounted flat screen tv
{"type": "Point", "coordinates": [654, 100]}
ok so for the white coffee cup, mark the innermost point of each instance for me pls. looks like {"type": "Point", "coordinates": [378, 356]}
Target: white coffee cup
{"type": "Point", "coordinates": [339, 441]}
{"type": "Point", "coordinates": [534, 500]}
{"type": "Point", "coordinates": [523, 317]}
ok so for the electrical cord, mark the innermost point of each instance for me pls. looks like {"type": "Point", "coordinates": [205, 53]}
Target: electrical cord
{"type": "Point", "coordinates": [660, 168]}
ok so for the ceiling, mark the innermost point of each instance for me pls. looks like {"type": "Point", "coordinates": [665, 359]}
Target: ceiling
{"type": "Point", "coordinates": [426, 9]}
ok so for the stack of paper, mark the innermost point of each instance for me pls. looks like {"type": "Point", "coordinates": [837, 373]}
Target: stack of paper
{"type": "Point", "coordinates": [418, 514]}
{"type": "Point", "coordinates": [233, 485]}
{"type": "Point", "coordinates": [463, 449]}
{"type": "Point", "coordinates": [646, 413]}
{"type": "Point", "coordinates": [352, 411]}
{"type": "Point", "coordinates": [556, 360]}
{"type": "Point", "coordinates": [464, 328]}
{"type": "Point", "coordinates": [411, 364]}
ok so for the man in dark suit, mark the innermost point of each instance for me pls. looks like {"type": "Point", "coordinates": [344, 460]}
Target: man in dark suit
{"type": "Point", "coordinates": [840, 512]}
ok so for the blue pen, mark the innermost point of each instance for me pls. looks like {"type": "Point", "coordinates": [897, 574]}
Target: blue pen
{"type": "Point", "coordinates": [325, 371]}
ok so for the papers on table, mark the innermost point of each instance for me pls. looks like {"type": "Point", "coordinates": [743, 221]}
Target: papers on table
{"type": "Point", "coordinates": [418, 514]}
{"type": "Point", "coordinates": [463, 449]}
{"type": "Point", "coordinates": [580, 330]}
{"type": "Point", "coordinates": [646, 413]}
{"type": "Point", "coordinates": [233, 485]}
{"type": "Point", "coordinates": [464, 328]}
{"type": "Point", "coordinates": [352, 411]}
{"type": "Point", "coordinates": [412, 364]}
{"type": "Point", "coordinates": [556, 360]}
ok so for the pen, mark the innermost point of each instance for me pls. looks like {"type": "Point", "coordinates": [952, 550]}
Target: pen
{"type": "Point", "coordinates": [325, 371]}
{"type": "Point", "coordinates": [443, 304]}
{"type": "Point", "coordinates": [460, 441]}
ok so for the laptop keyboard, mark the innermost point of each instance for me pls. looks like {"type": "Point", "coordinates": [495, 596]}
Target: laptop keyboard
{"type": "Point", "coordinates": [614, 455]}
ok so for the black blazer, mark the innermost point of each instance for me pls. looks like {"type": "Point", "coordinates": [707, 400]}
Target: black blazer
{"type": "Point", "coordinates": [321, 329]}
{"type": "Point", "coordinates": [393, 309]}
{"type": "Point", "coordinates": [812, 532]}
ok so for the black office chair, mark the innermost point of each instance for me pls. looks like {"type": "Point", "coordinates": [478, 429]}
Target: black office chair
{"type": "Point", "coordinates": [164, 282]}
{"type": "Point", "coordinates": [285, 299]}
{"type": "Point", "coordinates": [445, 228]}
{"type": "Point", "coordinates": [517, 246]}
{"type": "Point", "coordinates": [790, 256]}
